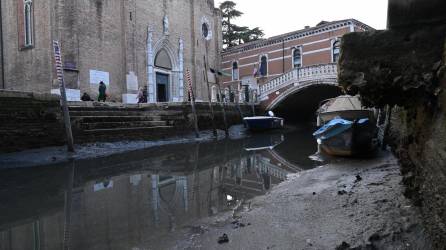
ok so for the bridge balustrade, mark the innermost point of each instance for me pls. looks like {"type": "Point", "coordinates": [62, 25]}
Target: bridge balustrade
{"type": "Point", "coordinates": [299, 76]}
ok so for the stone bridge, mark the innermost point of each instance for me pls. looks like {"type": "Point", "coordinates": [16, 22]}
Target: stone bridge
{"type": "Point", "coordinates": [296, 80]}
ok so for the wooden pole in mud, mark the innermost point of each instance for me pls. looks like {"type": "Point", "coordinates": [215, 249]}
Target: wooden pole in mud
{"type": "Point", "coordinates": [63, 95]}
{"type": "Point", "coordinates": [222, 104]}
{"type": "Point", "coordinates": [68, 207]}
{"type": "Point", "coordinates": [239, 109]}
{"type": "Point", "coordinates": [206, 77]}
{"type": "Point", "coordinates": [192, 102]}
{"type": "Point", "coordinates": [252, 104]}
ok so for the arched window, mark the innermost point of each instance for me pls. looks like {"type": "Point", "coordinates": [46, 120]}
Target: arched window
{"type": "Point", "coordinates": [235, 71]}
{"type": "Point", "coordinates": [162, 60]}
{"type": "Point", "coordinates": [297, 58]}
{"type": "Point", "coordinates": [263, 65]}
{"type": "Point", "coordinates": [336, 50]}
{"type": "Point", "coordinates": [205, 30]}
{"type": "Point", "coordinates": [28, 22]}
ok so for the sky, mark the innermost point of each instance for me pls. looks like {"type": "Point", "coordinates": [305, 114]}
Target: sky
{"type": "Point", "coordinates": [276, 17]}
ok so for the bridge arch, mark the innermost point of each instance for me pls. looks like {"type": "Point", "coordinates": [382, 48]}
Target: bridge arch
{"type": "Point", "coordinates": [300, 90]}
{"type": "Point", "coordinates": [295, 90]}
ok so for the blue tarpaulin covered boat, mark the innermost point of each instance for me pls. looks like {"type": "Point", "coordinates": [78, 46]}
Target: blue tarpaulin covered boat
{"type": "Point", "coordinates": [342, 137]}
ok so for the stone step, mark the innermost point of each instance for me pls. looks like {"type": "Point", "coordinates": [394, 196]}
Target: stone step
{"type": "Point", "coordinates": [119, 109]}
{"type": "Point", "coordinates": [132, 130]}
{"type": "Point", "coordinates": [105, 108]}
{"type": "Point", "coordinates": [93, 119]}
{"type": "Point", "coordinates": [123, 113]}
{"type": "Point", "coordinates": [106, 113]}
{"type": "Point", "coordinates": [112, 125]}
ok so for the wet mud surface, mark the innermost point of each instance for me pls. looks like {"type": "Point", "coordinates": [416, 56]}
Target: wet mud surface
{"type": "Point", "coordinates": [267, 191]}
{"type": "Point", "coordinates": [347, 204]}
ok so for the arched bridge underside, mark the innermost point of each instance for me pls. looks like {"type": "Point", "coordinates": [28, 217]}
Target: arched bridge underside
{"type": "Point", "coordinates": [297, 94]}
{"type": "Point", "coordinates": [302, 104]}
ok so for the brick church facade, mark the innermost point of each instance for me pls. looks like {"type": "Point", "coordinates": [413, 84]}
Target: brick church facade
{"type": "Point", "coordinates": [248, 66]}
{"type": "Point", "coordinates": [126, 44]}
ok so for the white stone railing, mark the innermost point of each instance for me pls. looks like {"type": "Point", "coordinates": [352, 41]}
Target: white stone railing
{"type": "Point", "coordinates": [300, 75]}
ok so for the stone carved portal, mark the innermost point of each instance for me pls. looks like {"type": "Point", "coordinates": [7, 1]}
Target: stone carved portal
{"type": "Point", "coordinates": [165, 70]}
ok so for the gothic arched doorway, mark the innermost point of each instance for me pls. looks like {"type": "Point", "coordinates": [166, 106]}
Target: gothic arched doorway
{"type": "Point", "coordinates": [163, 73]}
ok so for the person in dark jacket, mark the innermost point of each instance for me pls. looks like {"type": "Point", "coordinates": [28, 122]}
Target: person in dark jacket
{"type": "Point", "coordinates": [102, 92]}
{"type": "Point", "coordinates": [86, 98]}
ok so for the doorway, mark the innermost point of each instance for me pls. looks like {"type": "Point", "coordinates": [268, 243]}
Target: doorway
{"type": "Point", "coordinates": [162, 87]}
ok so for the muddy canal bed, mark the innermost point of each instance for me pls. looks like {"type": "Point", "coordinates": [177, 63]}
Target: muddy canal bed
{"type": "Point", "coordinates": [266, 191]}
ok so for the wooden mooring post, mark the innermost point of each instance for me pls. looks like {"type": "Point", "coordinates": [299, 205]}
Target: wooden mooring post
{"type": "Point", "coordinates": [222, 104]}
{"type": "Point", "coordinates": [206, 77]}
{"type": "Point", "coordinates": [239, 109]}
{"type": "Point", "coordinates": [192, 102]}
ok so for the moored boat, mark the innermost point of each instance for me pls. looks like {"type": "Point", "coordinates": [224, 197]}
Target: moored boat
{"type": "Point", "coordinates": [341, 137]}
{"type": "Point", "coordinates": [345, 107]}
{"type": "Point", "coordinates": [348, 128]}
{"type": "Point", "coordinates": [262, 123]}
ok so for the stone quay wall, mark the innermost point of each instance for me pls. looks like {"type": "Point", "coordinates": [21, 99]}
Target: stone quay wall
{"type": "Point", "coordinates": [404, 68]}
{"type": "Point", "coordinates": [30, 120]}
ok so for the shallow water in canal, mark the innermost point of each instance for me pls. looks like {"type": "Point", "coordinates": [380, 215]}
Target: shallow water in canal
{"type": "Point", "coordinates": [132, 200]}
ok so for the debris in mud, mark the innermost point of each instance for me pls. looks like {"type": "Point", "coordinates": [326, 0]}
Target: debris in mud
{"type": "Point", "coordinates": [344, 246]}
{"type": "Point", "coordinates": [223, 239]}
{"type": "Point", "coordinates": [374, 237]}
{"type": "Point", "coordinates": [309, 242]}
{"type": "Point", "coordinates": [198, 229]}
{"type": "Point", "coordinates": [314, 193]}
{"type": "Point", "coordinates": [342, 192]}
{"type": "Point", "coordinates": [358, 178]}
{"type": "Point", "coordinates": [237, 224]}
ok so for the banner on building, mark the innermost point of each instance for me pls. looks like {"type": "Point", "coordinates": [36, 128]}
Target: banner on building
{"type": "Point", "coordinates": [97, 76]}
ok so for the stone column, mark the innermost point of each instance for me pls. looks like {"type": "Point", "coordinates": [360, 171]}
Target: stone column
{"type": "Point", "coordinates": [150, 71]}
{"type": "Point", "coordinates": [181, 71]}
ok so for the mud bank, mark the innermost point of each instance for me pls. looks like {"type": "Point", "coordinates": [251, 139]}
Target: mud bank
{"type": "Point", "coordinates": [57, 155]}
{"type": "Point", "coordinates": [347, 204]}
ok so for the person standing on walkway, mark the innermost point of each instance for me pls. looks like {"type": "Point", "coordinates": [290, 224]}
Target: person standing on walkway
{"type": "Point", "coordinates": [102, 92]}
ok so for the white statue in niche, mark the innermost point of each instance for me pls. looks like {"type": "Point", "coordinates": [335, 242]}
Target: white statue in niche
{"type": "Point", "coordinates": [166, 25]}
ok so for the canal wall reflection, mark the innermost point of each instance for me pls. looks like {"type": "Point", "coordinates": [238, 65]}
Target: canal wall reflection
{"type": "Point", "coordinates": [134, 200]}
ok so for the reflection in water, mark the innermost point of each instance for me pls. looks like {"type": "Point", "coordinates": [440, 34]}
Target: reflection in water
{"type": "Point", "coordinates": [139, 199]}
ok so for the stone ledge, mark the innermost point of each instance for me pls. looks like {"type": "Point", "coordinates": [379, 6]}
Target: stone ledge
{"type": "Point", "coordinates": [28, 95]}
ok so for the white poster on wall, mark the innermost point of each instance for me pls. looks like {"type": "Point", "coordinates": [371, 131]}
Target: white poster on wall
{"type": "Point", "coordinates": [97, 76]}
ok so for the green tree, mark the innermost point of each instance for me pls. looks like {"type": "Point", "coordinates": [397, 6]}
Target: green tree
{"type": "Point", "coordinates": [233, 34]}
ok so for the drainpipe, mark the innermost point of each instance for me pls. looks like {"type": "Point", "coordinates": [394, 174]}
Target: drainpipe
{"type": "Point", "coordinates": [2, 61]}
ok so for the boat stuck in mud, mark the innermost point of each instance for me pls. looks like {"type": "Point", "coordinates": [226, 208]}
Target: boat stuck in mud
{"type": "Point", "coordinates": [348, 128]}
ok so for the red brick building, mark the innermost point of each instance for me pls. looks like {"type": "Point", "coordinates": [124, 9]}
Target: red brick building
{"type": "Point", "coordinates": [250, 65]}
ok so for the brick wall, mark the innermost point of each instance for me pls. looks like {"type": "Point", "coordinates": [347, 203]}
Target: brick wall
{"type": "Point", "coordinates": [104, 35]}
{"type": "Point", "coordinates": [29, 121]}
{"type": "Point", "coordinates": [316, 49]}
